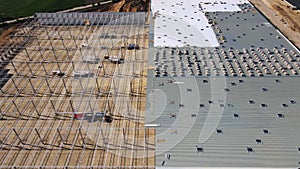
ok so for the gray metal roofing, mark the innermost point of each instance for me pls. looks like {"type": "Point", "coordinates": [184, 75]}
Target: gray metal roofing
{"type": "Point", "coordinates": [181, 126]}
{"type": "Point", "coordinates": [225, 116]}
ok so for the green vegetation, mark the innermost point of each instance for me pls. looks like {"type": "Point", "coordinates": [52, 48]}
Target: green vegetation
{"type": "Point", "coordinates": [10, 9]}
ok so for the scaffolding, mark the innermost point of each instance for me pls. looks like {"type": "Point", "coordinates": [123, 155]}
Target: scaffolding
{"type": "Point", "coordinates": [64, 104]}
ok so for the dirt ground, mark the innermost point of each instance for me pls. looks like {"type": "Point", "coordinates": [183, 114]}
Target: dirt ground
{"type": "Point", "coordinates": [128, 6]}
{"type": "Point", "coordinates": [281, 14]}
{"type": "Point", "coordinates": [5, 34]}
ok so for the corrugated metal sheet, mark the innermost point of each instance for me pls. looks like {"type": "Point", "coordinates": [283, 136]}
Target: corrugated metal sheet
{"type": "Point", "coordinates": [211, 119]}
{"type": "Point", "coordinates": [178, 136]}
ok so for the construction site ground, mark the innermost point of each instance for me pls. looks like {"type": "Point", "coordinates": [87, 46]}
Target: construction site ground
{"type": "Point", "coordinates": [283, 16]}
{"type": "Point", "coordinates": [38, 128]}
